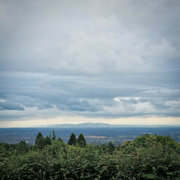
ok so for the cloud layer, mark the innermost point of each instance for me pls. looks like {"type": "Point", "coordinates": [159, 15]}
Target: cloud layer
{"type": "Point", "coordinates": [93, 59]}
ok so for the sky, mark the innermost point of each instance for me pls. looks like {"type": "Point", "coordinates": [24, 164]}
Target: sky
{"type": "Point", "coordinates": [109, 61]}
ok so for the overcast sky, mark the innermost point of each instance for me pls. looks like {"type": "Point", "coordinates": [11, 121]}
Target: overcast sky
{"type": "Point", "coordinates": [111, 61]}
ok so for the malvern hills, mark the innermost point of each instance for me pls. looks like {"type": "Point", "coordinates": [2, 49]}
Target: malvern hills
{"type": "Point", "coordinates": [99, 125]}
{"type": "Point", "coordinates": [82, 125]}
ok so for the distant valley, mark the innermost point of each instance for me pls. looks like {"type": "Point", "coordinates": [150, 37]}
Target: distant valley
{"type": "Point", "coordinates": [100, 133]}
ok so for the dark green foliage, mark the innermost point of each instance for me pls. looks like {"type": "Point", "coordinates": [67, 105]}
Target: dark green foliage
{"type": "Point", "coordinates": [53, 135]}
{"type": "Point", "coordinates": [72, 139]}
{"type": "Point", "coordinates": [23, 147]}
{"type": "Point", "coordinates": [127, 147]}
{"type": "Point", "coordinates": [7, 149]}
{"type": "Point", "coordinates": [59, 139]}
{"type": "Point", "coordinates": [39, 141]}
{"type": "Point", "coordinates": [111, 147]}
{"type": "Point", "coordinates": [81, 141]}
{"type": "Point", "coordinates": [146, 158]}
{"type": "Point", "coordinates": [47, 141]}
{"type": "Point", "coordinates": [103, 148]}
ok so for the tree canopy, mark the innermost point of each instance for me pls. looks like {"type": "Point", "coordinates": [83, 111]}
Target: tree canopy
{"type": "Point", "coordinates": [81, 141]}
{"type": "Point", "coordinates": [53, 135]}
{"type": "Point", "coordinates": [47, 140]}
{"type": "Point", "coordinates": [148, 157]}
{"type": "Point", "coordinates": [72, 139]}
{"type": "Point", "coordinates": [39, 141]}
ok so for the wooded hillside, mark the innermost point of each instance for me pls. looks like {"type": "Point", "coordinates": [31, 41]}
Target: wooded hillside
{"type": "Point", "coordinates": [147, 157]}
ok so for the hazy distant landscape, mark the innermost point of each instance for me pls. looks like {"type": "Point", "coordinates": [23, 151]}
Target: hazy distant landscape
{"type": "Point", "coordinates": [99, 133]}
{"type": "Point", "coordinates": [101, 153]}
{"type": "Point", "coordinates": [90, 90]}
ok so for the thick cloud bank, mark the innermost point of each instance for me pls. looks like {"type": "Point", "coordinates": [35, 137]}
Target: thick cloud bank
{"type": "Point", "coordinates": [93, 59]}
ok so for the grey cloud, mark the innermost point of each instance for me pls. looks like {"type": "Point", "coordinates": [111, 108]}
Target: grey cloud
{"type": "Point", "coordinates": [83, 93]}
{"type": "Point", "coordinates": [76, 57]}
{"type": "Point", "coordinates": [8, 105]}
{"type": "Point", "coordinates": [78, 105]}
{"type": "Point", "coordinates": [127, 108]}
{"type": "Point", "coordinates": [121, 36]}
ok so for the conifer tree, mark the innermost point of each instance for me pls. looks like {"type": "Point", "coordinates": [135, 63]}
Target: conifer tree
{"type": "Point", "coordinates": [47, 140]}
{"type": "Point", "coordinates": [81, 141]}
{"type": "Point", "coordinates": [53, 135]}
{"type": "Point", "coordinates": [39, 141]}
{"type": "Point", "coordinates": [72, 139]}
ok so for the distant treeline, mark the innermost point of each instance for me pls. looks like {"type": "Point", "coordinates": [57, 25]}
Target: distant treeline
{"type": "Point", "coordinates": [147, 157]}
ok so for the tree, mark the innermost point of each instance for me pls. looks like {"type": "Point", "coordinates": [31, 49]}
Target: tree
{"type": "Point", "coordinates": [103, 148]}
{"type": "Point", "coordinates": [22, 147]}
{"type": "Point", "coordinates": [60, 139]}
{"type": "Point", "coordinates": [53, 135]}
{"type": "Point", "coordinates": [81, 141]}
{"type": "Point", "coordinates": [39, 141]}
{"type": "Point", "coordinates": [127, 147]}
{"type": "Point", "coordinates": [72, 139]}
{"type": "Point", "coordinates": [111, 147]}
{"type": "Point", "coordinates": [47, 140]}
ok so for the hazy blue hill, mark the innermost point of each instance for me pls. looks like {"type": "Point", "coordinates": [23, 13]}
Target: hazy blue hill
{"type": "Point", "coordinates": [83, 125]}
{"type": "Point", "coordinates": [104, 125]}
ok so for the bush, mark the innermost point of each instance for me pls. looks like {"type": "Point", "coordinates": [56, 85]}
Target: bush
{"type": "Point", "coordinates": [147, 157]}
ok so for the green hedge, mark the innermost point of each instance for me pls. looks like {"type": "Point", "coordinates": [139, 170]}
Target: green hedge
{"type": "Point", "coordinates": [147, 157]}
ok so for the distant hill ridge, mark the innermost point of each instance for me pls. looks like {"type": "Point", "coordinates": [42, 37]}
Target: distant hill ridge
{"type": "Point", "coordinates": [82, 125]}
{"type": "Point", "coordinates": [101, 125]}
